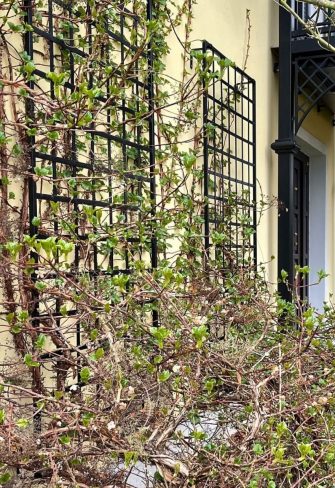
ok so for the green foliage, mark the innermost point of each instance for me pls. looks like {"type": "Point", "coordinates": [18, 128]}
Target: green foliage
{"type": "Point", "coordinates": [30, 362]}
{"type": "Point", "coordinates": [40, 341]}
{"type": "Point", "coordinates": [200, 335]}
{"type": "Point", "coordinates": [4, 478]}
{"type": "Point", "coordinates": [2, 416]}
{"type": "Point", "coordinates": [85, 374]}
{"type": "Point", "coordinates": [160, 334]}
{"type": "Point", "coordinates": [164, 376]}
{"type": "Point", "coordinates": [23, 423]}
{"type": "Point", "coordinates": [193, 370]}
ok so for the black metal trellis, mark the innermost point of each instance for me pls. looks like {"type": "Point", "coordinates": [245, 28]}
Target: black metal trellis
{"type": "Point", "coordinates": [313, 80]}
{"type": "Point", "coordinates": [107, 152]}
{"type": "Point", "coordinates": [314, 15]}
{"type": "Point", "coordinates": [229, 109]}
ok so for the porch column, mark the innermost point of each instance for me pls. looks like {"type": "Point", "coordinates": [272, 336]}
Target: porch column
{"type": "Point", "coordinates": [285, 146]}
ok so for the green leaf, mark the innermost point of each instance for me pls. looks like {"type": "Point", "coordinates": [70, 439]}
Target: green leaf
{"type": "Point", "coordinates": [23, 315]}
{"type": "Point", "coordinates": [63, 310]}
{"type": "Point", "coordinates": [190, 115]}
{"type": "Point", "coordinates": [53, 135]}
{"type": "Point", "coordinates": [16, 329]}
{"type": "Point", "coordinates": [198, 435]}
{"type": "Point", "coordinates": [281, 428]}
{"type": "Point", "coordinates": [85, 374]}
{"type": "Point", "coordinates": [10, 317]}
{"type": "Point", "coordinates": [23, 93]}
{"type": "Point", "coordinates": [42, 171]}
{"type": "Point", "coordinates": [158, 477]}
{"type": "Point", "coordinates": [40, 341]}
{"type": "Point", "coordinates": [13, 248]}
{"type": "Point", "coordinates": [15, 27]}
{"type": "Point", "coordinates": [210, 385]}
{"type": "Point", "coordinates": [160, 334]}
{"type": "Point", "coordinates": [49, 245]}
{"type": "Point", "coordinates": [29, 68]}
{"type": "Point", "coordinates": [94, 334]}
{"type": "Point", "coordinates": [65, 247]}
{"type": "Point", "coordinates": [32, 132]}
{"type": "Point", "coordinates": [65, 439]}
{"type": "Point", "coordinates": [258, 448]}
{"type": "Point", "coordinates": [57, 79]}
{"type": "Point", "coordinates": [121, 281]}
{"type": "Point", "coordinates": [59, 395]}
{"type": "Point", "coordinates": [322, 275]}
{"type": "Point", "coordinates": [194, 417]}
{"type": "Point", "coordinates": [279, 453]}
{"type": "Point", "coordinates": [218, 238]}
{"type": "Point", "coordinates": [4, 478]}
{"type": "Point", "coordinates": [306, 450]}
{"type": "Point", "coordinates": [304, 270]}
{"type": "Point", "coordinates": [86, 119]}
{"type": "Point", "coordinates": [3, 139]}
{"type": "Point", "coordinates": [28, 360]}
{"type": "Point", "coordinates": [225, 63]}
{"type": "Point", "coordinates": [5, 180]}
{"type": "Point", "coordinates": [17, 150]}
{"type": "Point", "coordinates": [168, 274]}
{"type": "Point", "coordinates": [40, 285]}
{"type": "Point", "coordinates": [253, 484]}
{"type": "Point", "coordinates": [36, 221]}
{"type": "Point", "coordinates": [284, 274]}
{"type": "Point", "coordinates": [87, 418]}
{"type": "Point", "coordinates": [25, 56]}
{"type": "Point", "coordinates": [23, 423]}
{"type": "Point", "coordinates": [164, 376]}
{"type": "Point", "coordinates": [2, 416]}
{"type": "Point", "coordinates": [200, 334]}
{"type": "Point", "coordinates": [98, 354]}
{"type": "Point", "coordinates": [189, 159]}
{"type": "Point", "coordinates": [130, 457]}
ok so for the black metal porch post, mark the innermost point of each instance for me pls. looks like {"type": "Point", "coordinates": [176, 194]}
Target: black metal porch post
{"type": "Point", "coordinates": [286, 148]}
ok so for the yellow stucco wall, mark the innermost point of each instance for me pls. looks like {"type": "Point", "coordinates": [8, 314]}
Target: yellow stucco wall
{"type": "Point", "coordinates": [223, 23]}
{"type": "Point", "coordinates": [319, 125]}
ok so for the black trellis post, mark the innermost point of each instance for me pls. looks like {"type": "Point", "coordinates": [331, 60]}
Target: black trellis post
{"type": "Point", "coordinates": [151, 104]}
{"type": "Point", "coordinates": [206, 175]}
{"type": "Point", "coordinates": [152, 152]}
